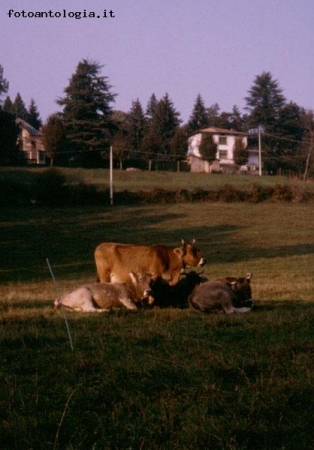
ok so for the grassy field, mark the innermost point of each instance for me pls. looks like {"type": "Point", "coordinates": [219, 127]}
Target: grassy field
{"type": "Point", "coordinates": [147, 181]}
{"type": "Point", "coordinates": [158, 379]}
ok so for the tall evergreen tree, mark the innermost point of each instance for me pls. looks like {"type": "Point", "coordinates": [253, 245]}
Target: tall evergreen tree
{"type": "Point", "coordinates": [164, 122]}
{"type": "Point", "coordinates": [4, 84]}
{"type": "Point", "coordinates": [198, 118]}
{"type": "Point", "coordinates": [19, 108]}
{"type": "Point", "coordinates": [8, 105]}
{"type": "Point", "coordinates": [236, 120]}
{"type": "Point", "coordinates": [87, 111]}
{"type": "Point", "coordinates": [34, 116]}
{"type": "Point", "coordinates": [151, 106]}
{"type": "Point", "coordinates": [213, 113]}
{"type": "Point", "coordinates": [264, 104]}
{"type": "Point", "coordinates": [136, 125]}
{"type": "Point", "coordinates": [264, 101]}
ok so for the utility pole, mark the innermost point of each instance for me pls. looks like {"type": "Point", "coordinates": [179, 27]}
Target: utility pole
{"type": "Point", "coordinates": [311, 147]}
{"type": "Point", "coordinates": [111, 175]}
{"type": "Point", "coordinates": [259, 151]}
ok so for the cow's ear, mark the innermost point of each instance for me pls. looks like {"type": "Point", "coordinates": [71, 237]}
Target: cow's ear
{"type": "Point", "coordinates": [178, 251]}
{"type": "Point", "coordinates": [183, 243]}
{"type": "Point", "coordinates": [233, 284]}
{"type": "Point", "coordinates": [193, 242]}
{"type": "Point", "coordinates": [248, 276]}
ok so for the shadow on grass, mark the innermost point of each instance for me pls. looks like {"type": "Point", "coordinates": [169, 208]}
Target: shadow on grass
{"type": "Point", "coordinates": [68, 237]}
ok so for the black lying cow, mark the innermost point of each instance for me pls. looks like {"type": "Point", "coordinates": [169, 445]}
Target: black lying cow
{"type": "Point", "coordinates": [164, 295]}
{"type": "Point", "coordinates": [230, 295]}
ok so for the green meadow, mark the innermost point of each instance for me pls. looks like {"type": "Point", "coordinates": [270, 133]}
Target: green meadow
{"type": "Point", "coordinates": [157, 379]}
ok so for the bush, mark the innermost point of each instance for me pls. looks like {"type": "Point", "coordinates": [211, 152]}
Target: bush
{"type": "Point", "coordinates": [283, 192]}
{"type": "Point", "coordinates": [259, 193]}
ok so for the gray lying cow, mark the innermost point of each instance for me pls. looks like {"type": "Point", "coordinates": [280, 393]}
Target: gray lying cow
{"type": "Point", "coordinates": [100, 297]}
{"type": "Point", "coordinates": [231, 295]}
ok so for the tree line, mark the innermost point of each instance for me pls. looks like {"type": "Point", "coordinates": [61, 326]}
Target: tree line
{"type": "Point", "coordinates": [88, 125]}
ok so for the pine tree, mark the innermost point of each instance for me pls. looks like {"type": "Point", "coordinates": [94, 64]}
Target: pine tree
{"type": "Point", "coordinates": [8, 105]}
{"type": "Point", "coordinates": [264, 101]}
{"type": "Point", "coordinates": [136, 125]}
{"type": "Point", "coordinates": [19, 108]}
{"type": "Point", "coordinates": [87, 111]}
{"type": "Point", "coordinates": [213, 114]}
{"type": "Point", "coordinates": [198, 118]}
{"type": "Point", "coordinates": [164, 122]}
{"type": "Point", "coordinates": [151, 106]}
{"type": "Point", "coordinates": [33, 115]}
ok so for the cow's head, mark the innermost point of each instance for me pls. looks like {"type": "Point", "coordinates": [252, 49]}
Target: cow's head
{"type": "Point", "coordinates": [190, 254]}
{"type": "Point", "coordinates": [242, 289]}
{"type": "Point", "coordinates": [193, 278]}
{"type": "Point", "coordinates": [141, 283]}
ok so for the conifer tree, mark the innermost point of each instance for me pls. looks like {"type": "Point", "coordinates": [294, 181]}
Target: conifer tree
{"type": "Point", "coordinates": [136, 125]}
{"type": "Point", "coordinates": [87, 111]}
{"type": "Point", "coordinates": [19, 109]}
{"type": "Point", "coordinates": [264, 101]}
{"type": "Point", "coordinates": [33, 115]}
{"type": "Point", "coordinates": [8, 105]}
{"type": "Point", "coordinates": [164, 122]}
{"type": "Point", "coordinates": [151, 106]}
{"type": "Point", "coordinates": [199, 117]}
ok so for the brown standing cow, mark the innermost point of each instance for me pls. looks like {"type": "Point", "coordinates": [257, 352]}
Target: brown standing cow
{"type": "Point", "coordinates": [159, 260]}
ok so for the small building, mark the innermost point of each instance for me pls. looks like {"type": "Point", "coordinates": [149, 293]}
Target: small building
{"type": "Point", "coordinates": [30, 142]}
{"type": "Point", "coordinates": [224, 163]}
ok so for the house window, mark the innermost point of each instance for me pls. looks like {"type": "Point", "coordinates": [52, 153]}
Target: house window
{"type": "Point", "coordinates": [223, 154]}
{"type": "Point", "coordinates": [222, 140]}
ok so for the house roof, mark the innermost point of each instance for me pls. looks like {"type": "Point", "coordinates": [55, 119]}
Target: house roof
{"type": "Point", "coordinates": [216, 130]}
{"type": "Point", "coordinates": [31, 130]}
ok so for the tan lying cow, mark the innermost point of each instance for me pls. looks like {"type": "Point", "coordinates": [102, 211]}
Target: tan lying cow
{"type": "Point", "coordinates": [100, 297]}
{"type": "Point", "coordinates": [160, 260]}
{"type": "Point", "coordinates": [230, 295]}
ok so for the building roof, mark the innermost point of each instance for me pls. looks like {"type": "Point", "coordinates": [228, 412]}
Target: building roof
{"type": "Point", "coordinates": [216, 130]}
{"type": "Point", "coordinates": [31, 130]}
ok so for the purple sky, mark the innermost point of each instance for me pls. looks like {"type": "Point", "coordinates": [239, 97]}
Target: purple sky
{"type": "Point", "coordinates": [183, 47]}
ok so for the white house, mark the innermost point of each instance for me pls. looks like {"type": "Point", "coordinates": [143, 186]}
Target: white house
{"type": "Point", "coordinates": [225, 140]}
{"type": "Point", "coordinates": [30, 142]}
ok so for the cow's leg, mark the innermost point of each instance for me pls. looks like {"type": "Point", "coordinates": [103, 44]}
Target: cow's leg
{"type": "Point", "coordinates": [232, 310]}
{"type": "Point", "coordinates": [127, 303]}
{"type": "Point", "coordinates": [93, 309]}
